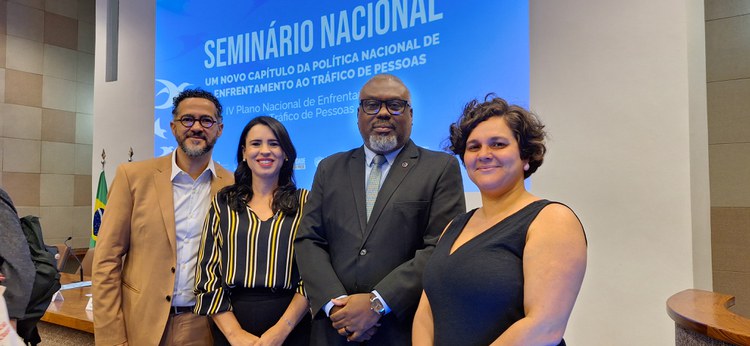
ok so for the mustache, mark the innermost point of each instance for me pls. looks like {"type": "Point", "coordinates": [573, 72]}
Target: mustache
{"type": "Point", "coordinates": [384, 123]}
{"type": "Point", "coordinates": [200, 135]}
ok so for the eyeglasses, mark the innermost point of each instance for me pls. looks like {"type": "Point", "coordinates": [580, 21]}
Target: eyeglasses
{"type": "Point", "coordinates": [205, 121]}
{"type": "Point", "coordinates": [372, 106]}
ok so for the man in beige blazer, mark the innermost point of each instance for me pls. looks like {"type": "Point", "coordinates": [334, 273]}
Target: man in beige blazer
{"type": "Point", "coordinates": [144, 263]}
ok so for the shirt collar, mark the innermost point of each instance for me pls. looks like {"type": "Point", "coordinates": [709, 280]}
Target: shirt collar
{"type": "Point", "coordinates": [389, 158]}
{"type": "Point", "coordinates": [176, 169]}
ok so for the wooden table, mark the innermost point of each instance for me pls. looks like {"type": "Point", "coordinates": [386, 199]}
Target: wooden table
{"type": "Point", "coordinates": [71, 312]}
{"type": "Point", "coordinates": [707, 313]}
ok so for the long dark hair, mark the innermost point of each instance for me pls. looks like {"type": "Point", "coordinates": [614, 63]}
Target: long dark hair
{"type": "Point", "coordinates": [241, 192]}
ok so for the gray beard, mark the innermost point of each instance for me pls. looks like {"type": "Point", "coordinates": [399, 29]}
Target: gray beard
{"type": "Point", "coordinates": [195, 153]}
{"type": "Point", "coordinates": [383, 144]}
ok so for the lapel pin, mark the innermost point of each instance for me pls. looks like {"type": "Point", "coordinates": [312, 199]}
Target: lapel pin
{"type": "Point", "coordinates": [404, 164]}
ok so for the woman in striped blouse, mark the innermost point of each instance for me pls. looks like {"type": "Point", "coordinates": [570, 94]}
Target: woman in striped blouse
{"type": "Point", "coordinates": [247, 279]}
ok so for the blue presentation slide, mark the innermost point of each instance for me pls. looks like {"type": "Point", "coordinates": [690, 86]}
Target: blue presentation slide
{"type": "Point", "coordinates": [304, 62]}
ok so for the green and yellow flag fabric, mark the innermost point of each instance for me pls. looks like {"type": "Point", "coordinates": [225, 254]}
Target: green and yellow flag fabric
{"type": "Point", "coordinates": [101, 202]}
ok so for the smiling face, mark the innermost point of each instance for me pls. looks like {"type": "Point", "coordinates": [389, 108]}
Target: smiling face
{"type": "Point", "coordinates": [492, 158]}
{"type": "Point", "coordinates": [383, 132]}
{"type": "Point", "coordinates": [263, 154]}
{"type": "Point", "coordinates": [196, 141]}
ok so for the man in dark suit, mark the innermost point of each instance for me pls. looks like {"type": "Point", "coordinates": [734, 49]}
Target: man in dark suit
{"type": "Point", "coordinates": [361, 253]}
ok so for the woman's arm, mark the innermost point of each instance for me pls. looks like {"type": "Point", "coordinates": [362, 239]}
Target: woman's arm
{"type": "Point", "coordinates": [230, 327]}
{"type": "Point", "coordinates": [294, 313]}
{"type": "Point", "coordinates": [211, 297]}
{"type": "Point", "coordinates": [210, 294]}
{"type": "Point", "coordinates": [423, 332]}
{"type": "Point", "coordinates": [423, 327]}
{"type": "Point", "coordinates": [554, 262]}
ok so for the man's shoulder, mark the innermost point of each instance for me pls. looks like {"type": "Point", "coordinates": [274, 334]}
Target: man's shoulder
{"type": "Point", "coordinates": [340, 157]}
{"type": "Point", "coordinates": [147, 165]}
{"type": "Point", "coordinates": [429, 155]}
{"type": "Point", "coordinates": [138, 166]}
{"type": "Point", "coordinates": [433, 153]}
{"type": "Point", "coordinates": [223, 172]}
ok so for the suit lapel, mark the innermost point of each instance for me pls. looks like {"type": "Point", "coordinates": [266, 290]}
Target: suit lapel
{"type": "Point", "coordinates": [357, 179]}
{"type": "Point", "coordinates": [163, 182]}
{"type": "Point", "coordinates": [400, 167]}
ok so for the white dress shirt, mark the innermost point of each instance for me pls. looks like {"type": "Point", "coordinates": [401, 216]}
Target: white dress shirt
{"type": "Point", "coordinates": [191, 201]}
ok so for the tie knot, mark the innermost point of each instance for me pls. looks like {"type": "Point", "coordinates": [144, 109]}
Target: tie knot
{"type": "Point", "coordinates": [378, 160]}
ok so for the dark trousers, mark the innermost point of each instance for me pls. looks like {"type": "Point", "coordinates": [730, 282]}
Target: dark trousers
{"type": "Point", "coordinates": [258, 309]}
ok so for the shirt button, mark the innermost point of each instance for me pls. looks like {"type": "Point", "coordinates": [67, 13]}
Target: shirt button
{"type": "Point", "coordinates": [173, 269]}
{"type": "Point", "coordinates": [363, 252]}
{"type": "Point", "coordinates": [169, 299]}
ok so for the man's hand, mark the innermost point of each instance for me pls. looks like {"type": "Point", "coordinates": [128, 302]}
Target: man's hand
{"type": "Point", "coordinates": [352, 317]}
{"type": "Point", "coordinates": [335, 308]}
{"type": "Point", "coordinates": [361, 337]}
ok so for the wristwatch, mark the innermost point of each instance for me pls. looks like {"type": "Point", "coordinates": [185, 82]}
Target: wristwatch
{"type": "Point", "coordinates": [376, 305]}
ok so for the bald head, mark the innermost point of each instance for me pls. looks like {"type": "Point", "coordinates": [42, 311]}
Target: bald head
{"type": "Point", "coordinates": [386, 77]}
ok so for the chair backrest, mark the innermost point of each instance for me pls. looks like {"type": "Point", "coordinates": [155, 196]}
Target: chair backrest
{"type": "Point", "coordinates": [61, 255]}
{"type": "Point", "coordinates": [87, 262]}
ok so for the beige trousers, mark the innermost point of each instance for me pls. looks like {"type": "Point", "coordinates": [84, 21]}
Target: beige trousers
{"type": "Point", "coordinates": [187, 329]}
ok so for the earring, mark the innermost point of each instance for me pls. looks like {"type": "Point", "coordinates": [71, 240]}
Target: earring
{"type": "Point", "coordinates": [244, 160]}
{"type": "Point", "coordinates": [526, 167]}
{"type": "Point", "coordinates": [286, 159]}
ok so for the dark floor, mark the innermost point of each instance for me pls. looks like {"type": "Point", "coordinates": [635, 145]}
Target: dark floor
{"type": "Point", "coordinates": [54, 335]}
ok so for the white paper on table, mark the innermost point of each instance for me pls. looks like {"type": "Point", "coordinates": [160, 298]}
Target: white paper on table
{"type": "Point", "coordinates": [58, 297]}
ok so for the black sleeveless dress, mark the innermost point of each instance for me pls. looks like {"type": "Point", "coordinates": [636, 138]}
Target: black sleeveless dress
{"type": "Point", "coordinates": [476, 293]}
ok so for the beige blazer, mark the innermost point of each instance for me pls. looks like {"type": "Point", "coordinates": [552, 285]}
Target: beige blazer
{"type": "Point", "coordinates": [132, 294]}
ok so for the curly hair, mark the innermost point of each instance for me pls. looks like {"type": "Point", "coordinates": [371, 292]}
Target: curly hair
{"type": "Point", "coordinates": [241, 192]}
{"type": "Point", "coordinates": [197, 93]}
{"type": "Point", "coordinates": [526, 126]}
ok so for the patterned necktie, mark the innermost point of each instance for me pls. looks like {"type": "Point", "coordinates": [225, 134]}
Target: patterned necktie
{"type": "Point", "coordinates": [373, 182]}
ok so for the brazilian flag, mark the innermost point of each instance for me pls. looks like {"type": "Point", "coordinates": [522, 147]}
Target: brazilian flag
{"type": "Point", "coordinates": [101, 202]}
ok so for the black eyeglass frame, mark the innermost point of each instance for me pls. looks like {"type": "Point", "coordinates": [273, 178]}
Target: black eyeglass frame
{"type": "Point", "coordinates": [388, 103]}
{"type": "Point", "coordinates": [205, 121]}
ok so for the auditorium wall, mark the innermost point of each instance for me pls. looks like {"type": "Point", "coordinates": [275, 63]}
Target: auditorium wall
{"type": "Point", "coordinates": [622, 88]}
{"type": "Point", "coordinates": [46, 112]}
{"type": "Point", "coordinates": [728, 75]}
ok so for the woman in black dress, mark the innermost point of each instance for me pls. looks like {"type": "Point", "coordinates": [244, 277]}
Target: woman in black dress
{"type": "Point", "coordinates": [509, 272]}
